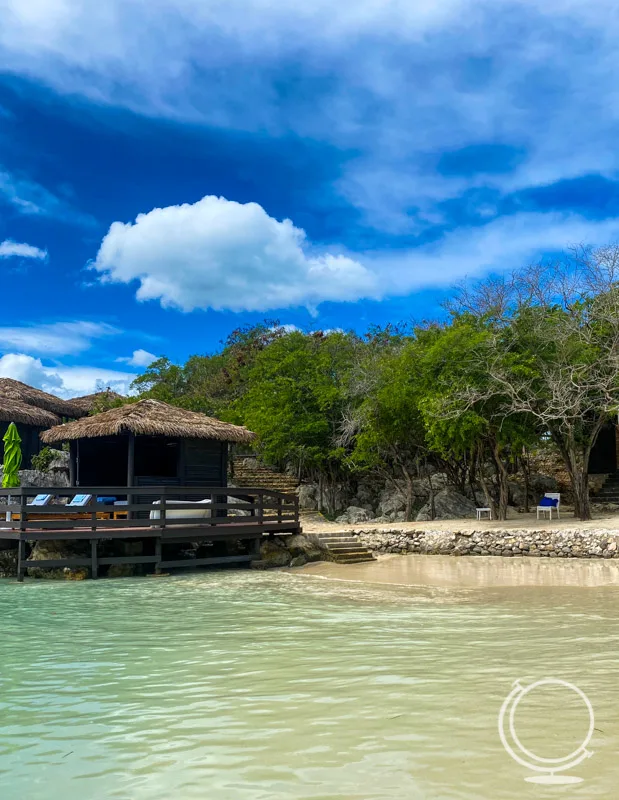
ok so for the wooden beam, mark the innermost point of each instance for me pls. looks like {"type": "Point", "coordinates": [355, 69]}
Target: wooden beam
{"type": "Point", "coordinates": [94, 569]}
{"type": "Point", "coordinates": [205, 562]}
{"type": "Point", "coordinates": [21, 560]}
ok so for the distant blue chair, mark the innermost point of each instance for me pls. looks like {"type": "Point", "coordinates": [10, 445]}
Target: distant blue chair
{"type": "Point", "coordinates": [549, 501]}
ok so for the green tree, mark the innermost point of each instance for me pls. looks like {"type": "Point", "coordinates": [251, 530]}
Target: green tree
{"type": "Point", "coordinates": [295, 401]}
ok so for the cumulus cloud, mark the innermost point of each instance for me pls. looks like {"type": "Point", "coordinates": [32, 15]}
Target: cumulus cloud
{"type": "Point", "coordinates": [11, 249]}
{"type": "Point", "coordinates": [221, 254]}
{"type": "Point", "coordinates": [139, 358]}
{"type": "Point", "coordinates": [29, 370]}
{"type": "Point", "coordinates": [58, 338]}
{"type": "Point", "coordinates": [61, 380]}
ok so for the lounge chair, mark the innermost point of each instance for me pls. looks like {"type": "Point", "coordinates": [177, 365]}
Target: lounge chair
{"type": "Point", "coordinates": [183, 513]}
{"type": "Point", "coordinates": [79, 501]}
{"type": "Point", "coordinates": [549, 501]}
{"type": "Point", "coordinates": [41, 500]}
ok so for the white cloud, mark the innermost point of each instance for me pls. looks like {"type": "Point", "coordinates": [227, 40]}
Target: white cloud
{"type": "Point", "coordinates": [61, 380]}
{"type": "Point", "coordinates": [58, 338]}
{"type": "Point", "coordinates": [29, 370]}
{"type": "Point", "coordinates": [392, 81]}
{"type": "Point", "coordinates": [225, 255]}
{"type": "Point", "coordinates": [139, 358]}
{"type": "Point", "coordinates": [11, 249]}
{"type": "Point", "coordinates": [503, 244]}
{"type": "Point", "coordinates": [30, 198]}
{"type": "Point", "coordinates": [85, 380]}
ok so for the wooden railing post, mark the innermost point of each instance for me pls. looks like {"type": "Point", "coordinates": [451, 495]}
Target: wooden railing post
{"type": "Point", "coordinates": [214, 511]}
{"type": "Point", "coordinates": [162, 502]}
{"type": "Point", "coordinates": [95, 562]}
{"type": "Point", "coordinates": [279, 509]}
{"type": "Point", "coordinates": [260, 509]}
{"type": "Point", "coordinates": [23, 510]}
{"type": "Point", "coordinates": [21, 557]}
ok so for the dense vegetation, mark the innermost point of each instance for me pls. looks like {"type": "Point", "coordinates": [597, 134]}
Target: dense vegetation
{"type": "Point", "coordinates": [517, 362]}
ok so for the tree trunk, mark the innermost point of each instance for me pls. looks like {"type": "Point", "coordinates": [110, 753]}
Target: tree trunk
{"type": "Point", "coordinates": [409, 493]}
{"type": "Point", "coordinates": [432, 505]}
{"type": "Point", "coordinates": [502, 479]}
{"type": "Point", "coordinates": [526, 469]}
{"type": "Point", "coordinates": [472, 473]}
{"type": "Point", "coordinates": [579, 475]}
{"type": "Point", "coordinates": [484, 484]}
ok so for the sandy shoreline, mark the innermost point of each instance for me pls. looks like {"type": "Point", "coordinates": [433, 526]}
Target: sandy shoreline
{"type": "Point", "coordinates": [469, 572]}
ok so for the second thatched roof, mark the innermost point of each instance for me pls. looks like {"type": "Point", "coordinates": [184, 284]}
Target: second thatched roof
{"type": "Point", "coordinates": [149, 418]}
{"type": "Point", "coordinates": [21, 413]}
{"type": "Point", "coordinates": [19, 392]}
{"type": "Point", "coordinates": [89, 402]}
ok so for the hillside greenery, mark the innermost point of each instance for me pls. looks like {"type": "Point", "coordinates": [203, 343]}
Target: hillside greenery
{"type": "Point", "coordinates": [516, 363]}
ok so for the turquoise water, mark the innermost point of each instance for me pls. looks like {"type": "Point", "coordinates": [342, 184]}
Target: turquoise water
{"type": "Point", "coordinates": [248, 686]}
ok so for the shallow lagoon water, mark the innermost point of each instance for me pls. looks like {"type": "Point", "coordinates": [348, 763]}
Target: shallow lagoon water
{"type": "Point", "coordinates": [311, 685]}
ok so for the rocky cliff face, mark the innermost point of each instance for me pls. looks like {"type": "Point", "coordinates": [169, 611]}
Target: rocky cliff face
{"type": "Point", "coordinates": [387, 502]}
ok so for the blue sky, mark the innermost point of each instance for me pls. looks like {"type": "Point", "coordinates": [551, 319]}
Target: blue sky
{"type": "Point", "coordinates": [172, 170]}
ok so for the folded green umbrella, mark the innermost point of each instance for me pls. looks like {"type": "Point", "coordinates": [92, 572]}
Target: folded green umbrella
{"type": "Point", "coordinates": [12, 458]}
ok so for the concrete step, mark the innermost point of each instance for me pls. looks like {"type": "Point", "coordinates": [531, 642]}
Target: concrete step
{"type": "Point", "coordinates": [354, 559]}
{"type": "Point", "coordinates": [339, 542]}
{"type": "Point", "coordinates": [348, 550]}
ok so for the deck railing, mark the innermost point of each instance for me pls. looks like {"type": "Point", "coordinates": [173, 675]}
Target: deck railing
{"type": "Point", "coordinates": [147, 506]}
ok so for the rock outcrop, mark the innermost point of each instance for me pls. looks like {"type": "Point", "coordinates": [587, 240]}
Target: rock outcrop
{"type": "Point", "coordinates": [353, 515]}
{"type": "Point", "coordinates": [288, 551]}
{"type": "Point", "coordinates": [448, 504]}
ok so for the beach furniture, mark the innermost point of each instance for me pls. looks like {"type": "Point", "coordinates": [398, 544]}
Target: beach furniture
{"type": "Point", "coordinates": [549, 501]}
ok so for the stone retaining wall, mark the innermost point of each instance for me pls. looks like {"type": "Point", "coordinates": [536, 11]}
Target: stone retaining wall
{"type": "Point", "coordinates": [537, 543]}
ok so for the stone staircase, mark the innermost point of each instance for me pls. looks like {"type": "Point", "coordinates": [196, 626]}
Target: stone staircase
{"type": "Point", "coordinates": [609, 493]}
{"type": "Point", "coordinates": [248, 471]}
{"type": "Point", "coordinates": [344, 547]}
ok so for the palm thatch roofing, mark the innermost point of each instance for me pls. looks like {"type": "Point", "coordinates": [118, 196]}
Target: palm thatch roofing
{"type": "Point", "coordinates": [88, 402]}
{"type": "Point", "coordinates": [149, 418]}
{"type": "Point", "coordinates": [19, 392]}
{"type": "Point", "coordinates": [21, 413]}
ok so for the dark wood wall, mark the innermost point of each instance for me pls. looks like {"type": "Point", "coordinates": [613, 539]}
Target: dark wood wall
{"type": "Point", "coordinates": [158, 461]}
{"type": "Point", "coordinates": [201, 462]}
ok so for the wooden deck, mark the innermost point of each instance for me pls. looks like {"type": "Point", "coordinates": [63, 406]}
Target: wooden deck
{"type": "Point", "coordinates": [153, 515]}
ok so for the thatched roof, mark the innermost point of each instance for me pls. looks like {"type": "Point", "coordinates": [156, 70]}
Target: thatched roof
{"type": "Point", "coordinates": [88, 402]}
{"type": "Point", "coordinates": [149, 418]}
{"type": "Point", "coordinates": [22, 413]}
{"type": "Point", "coordinates": [11, 389]}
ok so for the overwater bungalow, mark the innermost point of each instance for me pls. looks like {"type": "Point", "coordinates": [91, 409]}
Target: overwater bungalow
{"type": "Point", "coordinates": [148, 443]}
{"type": "Point", "coordinates": [33, 411]}
{"type": "Point", "coordinates": [153, 474]}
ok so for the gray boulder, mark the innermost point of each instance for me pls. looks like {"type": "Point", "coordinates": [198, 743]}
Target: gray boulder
{"type": "Point", "coordinates": [308, 497]}
{"type": "Point", "coordinates": [421, 487]}
{"type": "Point", "coordinates": [353, 515]}
{"type": "Point", "coordinates": [543, 483]}
{"type": "Point", "coordinates": [300, 546]}
{"type": "Point", "coordinates": [391, 501]}
{"type": "Point", "coordinates": [448, 504]}
{"type": "Point", "coordinates": [34, 478]}
{"type": "Point", "coordinates": [273, 553]}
